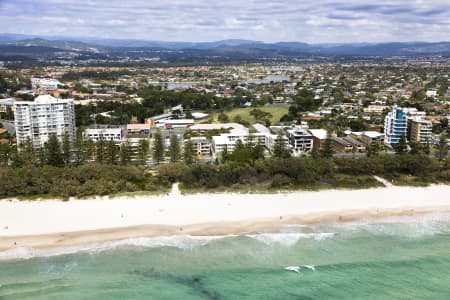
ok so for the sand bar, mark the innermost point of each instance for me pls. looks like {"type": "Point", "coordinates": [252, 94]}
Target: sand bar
{"type": "Point", "coordinates": [42, 224]}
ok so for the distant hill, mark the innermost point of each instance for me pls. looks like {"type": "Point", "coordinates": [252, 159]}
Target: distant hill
{"type": "Point", "coordinates": [17, 44]}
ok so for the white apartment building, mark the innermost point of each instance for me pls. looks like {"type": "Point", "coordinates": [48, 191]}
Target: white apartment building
{"type": "Point", "coordinates": [42, 117]}
{"type": "Point", "coordinates": [201, 145]}
{"type": "Point", "coordinates": [47, 84]}
{"type": "Point", "coordinates": [105, 133]}
{"type": "Point", "coordinates": [300, 139]}
{"type": "Point", "coordinates": [228, 141]}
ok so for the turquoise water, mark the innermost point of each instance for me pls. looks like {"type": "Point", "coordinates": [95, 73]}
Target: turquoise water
{"type": "Point", "coordinates": [397, 258]}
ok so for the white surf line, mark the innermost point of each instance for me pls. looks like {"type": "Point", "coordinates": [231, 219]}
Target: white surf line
{"type": "Point", "coordinates": [383, 181]}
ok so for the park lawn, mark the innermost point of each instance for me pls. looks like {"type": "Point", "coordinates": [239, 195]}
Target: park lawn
{"type": "Point", "coordinates": [276, 111]}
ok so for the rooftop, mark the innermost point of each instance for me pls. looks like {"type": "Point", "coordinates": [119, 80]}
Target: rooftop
{"type": "Point", "coordinates": [321, 134]}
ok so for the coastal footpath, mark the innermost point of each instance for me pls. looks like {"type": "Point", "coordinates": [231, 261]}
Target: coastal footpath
{"type": "Point", "coordinates": [53, 223]}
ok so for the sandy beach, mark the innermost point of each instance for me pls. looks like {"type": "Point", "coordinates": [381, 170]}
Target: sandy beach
{"type": "Point", "coordinates": [44, 224]}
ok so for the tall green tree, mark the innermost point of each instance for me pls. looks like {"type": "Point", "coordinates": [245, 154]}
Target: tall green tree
{"type": "Point", "coordinates": [52, 152]}
{"type": "Point", "coordinates": [373, 150]}
{"type": "Point", "coordinates": [158, 147]}
{"type": "Point", "coordinates": [111, 152]}
{"type": "Point", "coordinates": [279, 148]}
{"type": "Point", "coordinates": [188, 150]}
{"type": "Point", "coordinates": [79, 151]}
{"type": "Point", "coordinates": [66, 149]}
{"type": "Point", "coordinates": [25, 155]}
{"type": "Point", "coordinates": [442, 151]}
{"type": "Point", "coordinates": [100, 150]}
{"type": "Point", "coordinates": [416, 147]}
{"type": "Point", "coordinates": [143, 149]}
{"type": "Point", "coordinates": [225, 154]}
{"type": "Point", "coordinates": [5, 153]}
{"type": "Point", "coordinates": [90, 149]}
{"type": "Point", "coordinates": [174, 149]}
{"type": "Point", "coordinates": [125, 153]}
{"type": "Point", "coordinates": [327, 150]}
{"type": "Point", "coordinates": [402, 146]}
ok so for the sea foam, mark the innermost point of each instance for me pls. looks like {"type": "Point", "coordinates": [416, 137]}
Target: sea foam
{"type": "Point", "coordinates": [289, 239]}
{"type": "Point", "coordinates": [178, 241]}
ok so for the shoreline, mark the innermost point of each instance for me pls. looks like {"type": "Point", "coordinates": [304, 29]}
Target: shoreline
{"type": "Point", "coordinates": [55, 224]}
{"type": "Point", "coordinates": [214, 229]}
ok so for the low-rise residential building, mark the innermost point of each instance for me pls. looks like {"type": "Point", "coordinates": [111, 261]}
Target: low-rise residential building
{"type": "Point", "coordinates": [319, 137]}
{"type": "Point", "coordinates": [201, 145]}
{"type": "Point", "coordinates": [342, 145]}
{"type": "Point", "coordinates": [357, 145]}
{"type": "Point", "coordinates": [234, 128]}
{"type": "Point", "coordinates": [138, 129]}
{"type": "Point", "coordinates": [5, 105]}
{"type": "Point", "coordinates": [375, 109]}
{"type": "Point", "coordinates": [106, 133]}
{"type": "Point", "coordinates": [46, 84]}
{"type": "Point", "coordinates": [369, 138]}
{"type": "Point", "coordinates": [300, 140]}
{"type": "Point", "coordinates": [175, 123]}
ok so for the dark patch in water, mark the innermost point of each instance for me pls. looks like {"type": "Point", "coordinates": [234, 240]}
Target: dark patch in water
{"type": "Point", "coordinates": [195, 282]}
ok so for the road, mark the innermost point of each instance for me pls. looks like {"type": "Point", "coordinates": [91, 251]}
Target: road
{"type": "Point", "coordinates": [8, 125]}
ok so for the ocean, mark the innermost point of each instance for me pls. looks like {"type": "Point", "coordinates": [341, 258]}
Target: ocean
{"type": "Point", "coordinates": [391, 258]}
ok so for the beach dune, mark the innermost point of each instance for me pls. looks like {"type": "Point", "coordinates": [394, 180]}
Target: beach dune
{"type": "Point", "coordinates": [43, 224]}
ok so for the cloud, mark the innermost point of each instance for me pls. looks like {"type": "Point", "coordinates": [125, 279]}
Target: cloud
{"type": "Point", "coordinates": [204, 20]}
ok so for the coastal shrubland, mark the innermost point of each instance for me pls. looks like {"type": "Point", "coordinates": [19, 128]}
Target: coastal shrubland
{"type": "Point", "coordinates": [79, 181]}
{"type": "Point", "coordinates": [307, 173]}
{"type": "Point", "coordinates": [54, 171]}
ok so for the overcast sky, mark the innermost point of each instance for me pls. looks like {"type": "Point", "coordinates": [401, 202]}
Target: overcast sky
{"type": "Point", "coordinates": [313, 21]}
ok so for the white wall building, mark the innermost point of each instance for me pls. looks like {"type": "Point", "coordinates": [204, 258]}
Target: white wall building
{"type": "Point", "coordinates": [300, 139]}
{"type": "Point", "coordinates": [42, 117]}
{"type": "Point", "coordinates": [105, 133]}
{"type": "Point", "coordinates": [228, 141]}
{"type": "Point", "coordinates": [201, 145]}
{"type": "Point", "coordinates": [47, 84]}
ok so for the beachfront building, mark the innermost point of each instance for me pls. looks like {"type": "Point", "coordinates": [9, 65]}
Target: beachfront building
{"type": "Point", "coordinates": [235, 128]}
{"type": "Point", "coordinates": [44, 116]}
{"type": "Point", "coordinates": [400, 121]}
{"type": "Point", "coordinates": [169, 113]}
{"type": "Point", "coordinates": [319, 137]}
{"type": "Point", "coordinates": [228, 141]}
{"type": "Point", "coordinates": [142, 129]}
{"type": "Point", "coordinates": [104, 132]}
{"type": "Point", "coordinates": [419, 130]}
{"type": "Point", "coordinates": [201, 145]}
{"type": "Point", "coordinates": [175, 123]}
{"type": "Point", "coordinates": [300, 139]}
{"type": "Point", "coordinates": [369, 138]}
{"type": "Point", "coordinates": [395, 125]}
{"type": "Point", "coordinates": [342, 145]}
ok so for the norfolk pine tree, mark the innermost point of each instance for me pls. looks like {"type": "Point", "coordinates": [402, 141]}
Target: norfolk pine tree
{"type": "Point", "coordinates": [66, 149]}
{"type": "Point", "coordinates": [52, 152]}
{"type": "Point", "coordinates": [158, 147]}
{"type": "Point", "coordinates": [174, 149]}
{"type": "Point", "coordinates": [143, 149]}
{"type": "Point", "coordinates": [187, 152]}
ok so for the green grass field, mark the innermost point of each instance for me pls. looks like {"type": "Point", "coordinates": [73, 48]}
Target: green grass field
{"type": "Point", "coordinates": [277, 113]}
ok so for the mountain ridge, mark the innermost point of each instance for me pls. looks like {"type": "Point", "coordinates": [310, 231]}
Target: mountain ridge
{"type": "Point", "coordinates": [17, 43]}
